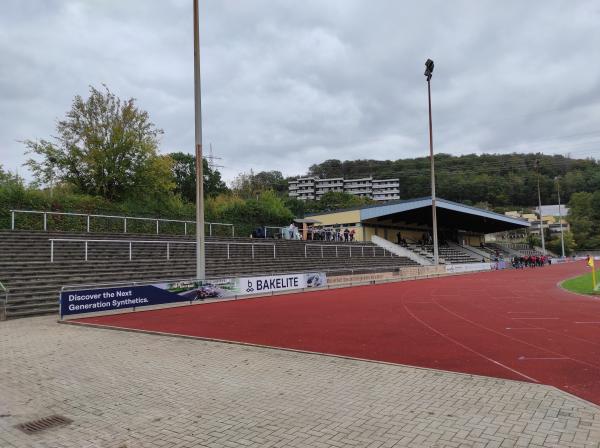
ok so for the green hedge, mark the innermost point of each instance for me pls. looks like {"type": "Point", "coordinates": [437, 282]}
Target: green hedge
{"type": "Point", "coordinates": [246, 215]}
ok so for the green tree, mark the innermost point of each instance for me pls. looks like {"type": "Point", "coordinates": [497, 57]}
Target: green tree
{"type": "Point", "coordinates": [267, 209]}
{"type": "Point", "coordinates": [554, 244]}
{"type": "Point", "coordinates": [584, 218]}
{"type": "Point", "coordinates": [5, 176]}
{"type": "Point", "coordinates": [249, 185]}
{"type": "Point", "coordinates": [334, 200]}
{"type": "Point", "coordinates": [271, 180]}
{"type": "Point", "coordinates": [184, 177]}
{"type": "Point", "coordinates": [105, 147]}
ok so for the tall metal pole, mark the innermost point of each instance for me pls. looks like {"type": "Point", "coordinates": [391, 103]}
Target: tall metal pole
{"type": "Point", "coordinates": [200, 254]}
{"type": "Point", "coordinates": [540, 208]}
{"type": "Point", "coordinates": [433, 211]}
{"type": "Point", "coordinates": [562, 235]}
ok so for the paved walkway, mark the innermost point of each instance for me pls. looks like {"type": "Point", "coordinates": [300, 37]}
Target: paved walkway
{"type": "Point", "coordinates": [127, 390]}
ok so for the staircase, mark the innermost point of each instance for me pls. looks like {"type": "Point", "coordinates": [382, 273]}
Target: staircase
{"type": "Point", "coordinates": [515, 249]}
{"type": "Point", "coordinates": [34, 281]}
{"type": "Point", "coordinates": [401, 251]}
{"type": "Point", "coordinates": [447, 254]}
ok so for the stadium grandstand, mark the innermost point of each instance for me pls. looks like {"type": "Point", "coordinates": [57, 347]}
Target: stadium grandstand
{"type": "Point", "coordinates": [37, 264]}
{"type": "Point", "coordinates": [408, 224]}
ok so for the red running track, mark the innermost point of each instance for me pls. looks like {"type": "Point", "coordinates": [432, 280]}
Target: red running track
{"type": "Point", "coordinates": [514, 324]}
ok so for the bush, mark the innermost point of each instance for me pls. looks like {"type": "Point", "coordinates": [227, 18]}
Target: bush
{"type": "Point", "coordinates": [246, 215]}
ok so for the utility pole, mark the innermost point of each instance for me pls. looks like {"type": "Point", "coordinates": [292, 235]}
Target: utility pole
{"type": "Point", "coordinates": [562, 235]}
{"type": "Point", "coordinates": [428, 73]}
{"type": "Point", "coordinates": [200, 248]}
{"type": "Point", "coordinates": [537, 167]}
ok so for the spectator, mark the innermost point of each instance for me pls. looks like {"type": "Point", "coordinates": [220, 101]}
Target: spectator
{"type": "Point", "coordinates": [399, 238]}
{"type": "Point", "coordinates": [346, 234]}
{"type": "Point", "coordinates": [352, 233]}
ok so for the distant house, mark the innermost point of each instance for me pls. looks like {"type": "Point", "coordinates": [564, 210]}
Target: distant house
{"type": "Point", "coordinates": [551, 218]}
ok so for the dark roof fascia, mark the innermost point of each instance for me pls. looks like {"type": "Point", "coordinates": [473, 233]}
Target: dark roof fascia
{"type": "Point", "coordinates": [421, 202]}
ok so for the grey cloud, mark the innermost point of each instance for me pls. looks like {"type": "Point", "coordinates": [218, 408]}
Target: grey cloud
{"type": "Point", "coordinates": [287, 84]}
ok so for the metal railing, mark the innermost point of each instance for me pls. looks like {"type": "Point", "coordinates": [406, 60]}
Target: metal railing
{"type": "Point", "coordinates": [4, 303]}
{"type": "Point", "coordinates": [167, 243]}
{"type": "Point", "coordinates": [373, 249]}
{"type": "Point", "coordinates": [124, 218]}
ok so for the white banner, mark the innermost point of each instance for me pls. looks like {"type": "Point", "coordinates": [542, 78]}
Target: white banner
{"type": "Point", "coordinates": [275, 283]}
{"type": "Point", "coordinates": [468, 267]}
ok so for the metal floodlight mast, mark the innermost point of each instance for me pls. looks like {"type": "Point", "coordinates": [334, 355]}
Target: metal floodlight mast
{"type": "Point", "coordinates": [428, 73]}
{"type": "Point", "coordinates": [429, 69]}
{"type": "Point", "coordinates": [537, 167]}
{"type": "Point", "coordinates": [562, 235]}
{"type": "Point", "coordinates": [200, 248]}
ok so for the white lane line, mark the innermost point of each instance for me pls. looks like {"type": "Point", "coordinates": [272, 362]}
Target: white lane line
{"type": "Point", "coordinates": [587, 322]}
{"type": "Point", "coordinates": [523, 328]}
{"type": "Point", "coordinates": [525, 358]}
{"type": "Point", "coordinates": [535, 318]}
{"type": "Point", "coordinates": [466, 347]}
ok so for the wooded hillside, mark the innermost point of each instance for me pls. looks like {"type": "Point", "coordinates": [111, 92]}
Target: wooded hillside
{"type": "Point", "coordinates": [499, 179]}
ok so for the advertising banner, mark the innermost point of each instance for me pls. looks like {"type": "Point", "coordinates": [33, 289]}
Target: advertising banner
{"type": "Point", "coordinates": [275, 283]}
{"type": "Point", "coordinates": [467, 267]}
{"type": "Point", "coordinates": [124, 297]}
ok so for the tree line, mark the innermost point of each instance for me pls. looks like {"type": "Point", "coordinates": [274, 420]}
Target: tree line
{"type": "Point", "coordinates": [501, 180]}
{"type": "Point", "coordinates": [105, 158]}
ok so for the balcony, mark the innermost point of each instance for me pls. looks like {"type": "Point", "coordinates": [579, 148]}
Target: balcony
{"type": "Point", "coordinates": [385, 189]}
{"type": "Point", "coordinates": [391, 197]}
{"type": "Point", "coordinates": [330, 184]}
{"type": "Point", "coordinates": [359, 191]}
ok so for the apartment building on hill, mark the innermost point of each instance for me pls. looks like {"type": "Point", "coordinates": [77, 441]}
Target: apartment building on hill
{"type": "Point", "coordinates": [314, 188]}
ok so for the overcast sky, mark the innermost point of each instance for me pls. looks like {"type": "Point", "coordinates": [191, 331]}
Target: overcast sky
{"type": "Point", "coordinates": [290, 83]}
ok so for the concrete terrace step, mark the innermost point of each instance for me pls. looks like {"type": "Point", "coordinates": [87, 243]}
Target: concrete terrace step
{"type": "Point", "coordinates": [35, 282]}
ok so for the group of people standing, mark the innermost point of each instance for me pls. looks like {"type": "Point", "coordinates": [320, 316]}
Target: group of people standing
{"type": "Point", "coordinates": [330, 234]}
{"type": "Point", "coordinates": [530, 261]}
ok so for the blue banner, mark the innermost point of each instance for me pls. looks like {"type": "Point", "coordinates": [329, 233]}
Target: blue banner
{"type": "Point", "coordinates": [124, 297]}
{"type": "Point", "coordinates": [94, 300]}
{"type": "Point", "coordinates": [115, 298]}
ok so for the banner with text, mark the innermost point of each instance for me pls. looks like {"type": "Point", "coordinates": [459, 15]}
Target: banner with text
{"type": "Point", "coordinates": [468, 267]}
{"type": "Point", "coordinates": [124, 297]}
{"type": "Point", "coordinates": [275, 283]}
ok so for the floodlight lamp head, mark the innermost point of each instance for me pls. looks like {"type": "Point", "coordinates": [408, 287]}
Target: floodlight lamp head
{"type": "Point", "coordinates": [428, 69]}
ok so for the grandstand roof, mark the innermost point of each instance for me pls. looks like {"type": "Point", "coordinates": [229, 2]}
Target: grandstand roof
{"type": "Point", "coordinates": [449, 214]}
